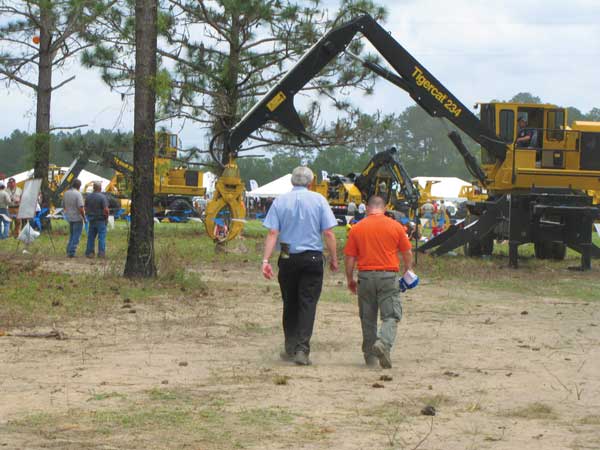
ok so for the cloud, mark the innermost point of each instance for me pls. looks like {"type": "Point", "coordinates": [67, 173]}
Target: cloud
{"type": "Point", "coordinates": [479, 50]}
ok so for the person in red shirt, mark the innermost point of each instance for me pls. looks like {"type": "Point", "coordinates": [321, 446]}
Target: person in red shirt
{"type": "Point", "coordinates": [375, 245]}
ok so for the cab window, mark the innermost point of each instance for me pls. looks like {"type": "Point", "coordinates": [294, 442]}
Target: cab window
{"type": "Point", "coordinates": [507, 125]}
{"type": "Point", "coordinates": [555, 123]}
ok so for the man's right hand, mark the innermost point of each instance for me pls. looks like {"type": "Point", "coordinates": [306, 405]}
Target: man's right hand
{"type": "Point", "coordinates": [333, 264]}
{"type": "Point", "coordinates": [352, 285]}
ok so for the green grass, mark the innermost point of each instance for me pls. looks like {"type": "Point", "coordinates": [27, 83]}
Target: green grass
{"type": "Point", "coordinates": [42, 286]}
{"type": "Point", "coordinates": [169, 419]}
{"type": "Point", "coordinates": [534, 410]}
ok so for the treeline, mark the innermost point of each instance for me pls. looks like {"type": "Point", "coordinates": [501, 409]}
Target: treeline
{"type": "Point", "coordinates": [422, 143]}
{"type": "Point", "coordinates": [16, 150]}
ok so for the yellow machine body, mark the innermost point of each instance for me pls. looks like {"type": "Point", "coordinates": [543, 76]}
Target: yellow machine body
{"type": "Point", "coordinates": [559, 157]}
{"type": "Point", "coordinates": [227, 206]}
{"type": "Point", "coordinates": [171, 178]}
{"type": "Point", "coordinates": [339, 194]}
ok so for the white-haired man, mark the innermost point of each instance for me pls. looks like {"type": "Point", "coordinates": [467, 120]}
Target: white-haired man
{"type": "Point", "coordinates": [300, 220]}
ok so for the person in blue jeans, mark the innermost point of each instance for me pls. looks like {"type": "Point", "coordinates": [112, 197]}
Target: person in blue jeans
{"type": "Point", "coordinates": [74, 214]}
{"type": "Point", "coordinates": [4, 203]}
{"type": "Point", "coordinates": [96, 209]}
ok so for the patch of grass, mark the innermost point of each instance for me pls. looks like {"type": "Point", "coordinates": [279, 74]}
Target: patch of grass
{"type": "Point", "coordinates": [105, 396]}
{"type": "Point", "coordinates": [590, 420]}
{"type": "Point", "coordinates": [436, 400]}
{"type": "Point", "coordinates": [281, 380]}
{"type": "Point", "coordinates": [536, 410]}
{"type": "Point", "coordinates": [265, 417]}
{"type": "Point", "coordinates": [338, 295]}
{"type": "Point", "coordinates": [161, 395]}
{"type": "Point", "coordinates": [168, 419]}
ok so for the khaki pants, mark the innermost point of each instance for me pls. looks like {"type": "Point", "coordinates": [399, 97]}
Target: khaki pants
{"type": "Point", "coordinates": [16, 223]}
{"type": "Point", "coordinates": [378, 292]}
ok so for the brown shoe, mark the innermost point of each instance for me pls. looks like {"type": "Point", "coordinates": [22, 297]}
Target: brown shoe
{"type": "Point", "coordinates": [383, 354]}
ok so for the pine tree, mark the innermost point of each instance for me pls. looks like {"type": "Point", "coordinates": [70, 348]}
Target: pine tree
{"type": "Point", "coordinates": [36, 37]}
{"type": "Point", "coordinates": [140, 251]}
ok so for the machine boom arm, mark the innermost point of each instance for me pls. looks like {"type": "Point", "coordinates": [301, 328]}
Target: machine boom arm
{"type": "Point", "coordinates": [278, 104]}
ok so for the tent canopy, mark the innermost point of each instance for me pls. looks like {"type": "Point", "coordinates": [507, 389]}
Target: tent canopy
{"type": "Point", "coordinates": [444, 187]}
{"type": "Point", "coordinates": [275, 188]}
{"type": "Point", "coordinates": [85, 177]}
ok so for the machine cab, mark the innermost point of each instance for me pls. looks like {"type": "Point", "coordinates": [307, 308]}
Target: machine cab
{"type": "Point", "coordinates": [167, 145]}
{"type": "Point", "coordinates": [538, 133]}
{"type": "Point", "coordinates": [543, 149]}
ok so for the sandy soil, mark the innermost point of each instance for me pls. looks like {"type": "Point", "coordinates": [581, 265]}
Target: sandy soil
{"type": "Point", "coordinates": [503, 371]}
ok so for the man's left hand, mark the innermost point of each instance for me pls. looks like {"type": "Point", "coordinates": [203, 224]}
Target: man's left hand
{"type": "Point", "coordinates": [267, 270]}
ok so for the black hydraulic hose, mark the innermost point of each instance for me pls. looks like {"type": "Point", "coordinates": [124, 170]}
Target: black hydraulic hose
{"type": "Point", "coordinates": [472, 164]}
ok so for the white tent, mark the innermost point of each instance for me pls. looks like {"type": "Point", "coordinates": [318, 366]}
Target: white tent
{"type": "Point", "coordinates": [273, 189]}
{"type": "Point", "coordinates": [445, 187]}
{"type": "Point", "coordinates": [84, 176]}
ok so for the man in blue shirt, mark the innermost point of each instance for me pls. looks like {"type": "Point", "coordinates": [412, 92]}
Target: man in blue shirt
{"type": "Point", "coordinates": [300, 220]}
{"type": "Point", "coordinates": [96, 209]}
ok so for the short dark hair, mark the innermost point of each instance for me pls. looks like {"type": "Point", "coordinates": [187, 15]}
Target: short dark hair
{"type": "Point", "coordinates": [76, 184]}
{"type": "Point", "coordinates": [375, 201]}
{"type": "Point", "coordinates": [11, 179]}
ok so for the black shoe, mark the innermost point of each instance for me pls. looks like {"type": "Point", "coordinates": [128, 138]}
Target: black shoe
{"type": "Point", "coordinates": [301, 359]}
{"type": "Point", "coordinates": [383, 354]}
{"type": "Point", "coordinates": [371, 360]}
{"type": "Point", "coordinates": [285, 356]}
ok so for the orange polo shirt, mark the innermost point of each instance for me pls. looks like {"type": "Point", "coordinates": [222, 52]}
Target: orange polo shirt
{"type": "Point", "coordinates": [375, 241]}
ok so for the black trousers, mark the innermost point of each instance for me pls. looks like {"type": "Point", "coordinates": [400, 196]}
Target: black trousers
{"type": "Point", "coordinates": [300, 280]}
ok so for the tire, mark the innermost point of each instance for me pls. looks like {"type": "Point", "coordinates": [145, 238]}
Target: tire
{"type": "Point", "coordinates": [487, 245]}
{"type": "Point", "coordinates": [559, 251]}
{"type": "Point", "coordinates": [473, 249]}
{"type": "Point", "coordinates": [550, 250]}
{"type": "Point", "coordinates": [178, 207]}
{"type": "Point", "coordinates": [540, 250]}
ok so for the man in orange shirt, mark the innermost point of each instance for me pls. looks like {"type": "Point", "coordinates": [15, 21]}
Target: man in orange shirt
{"type": "Point", "coordinates": [375, 243]}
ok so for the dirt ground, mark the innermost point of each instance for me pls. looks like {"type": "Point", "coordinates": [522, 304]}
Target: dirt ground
{"type": "Point", "coordinates": [503, 371]}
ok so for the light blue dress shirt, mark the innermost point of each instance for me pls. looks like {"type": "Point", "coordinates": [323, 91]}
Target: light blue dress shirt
{"type": "Point", "coordinates": [300, 216]}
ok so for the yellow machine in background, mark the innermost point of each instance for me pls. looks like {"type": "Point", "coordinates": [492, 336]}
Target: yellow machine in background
{"type": "Point", "coordinates": [175, 184]}
{"type": "Point", "coordinates": [226, 212]}
{"type": "Point", "coordinates": [339, 191]}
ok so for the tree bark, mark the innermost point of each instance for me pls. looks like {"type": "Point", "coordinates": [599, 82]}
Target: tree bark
{"type": "Point", "coordinates": [41, 144]}
{"type": "Point", "coordinates": [140, 251]}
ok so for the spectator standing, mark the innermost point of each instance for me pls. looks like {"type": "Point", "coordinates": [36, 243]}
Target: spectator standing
{"type": "Point", "coordinates": [374, 244]}
{"type": "Point", "coordinates": [352, 208]}
{"type": "Point", "coordinates": [4, 214]}
{"type": "Point", "coordinates": [427, 212]}
{"type": "Point", "coordinates": [15, 194]}
{"type": "Point", "coordinates": [96, 209]}
{"type": "Point", "coordinates": [300, 220]}
{"type": "Point", "coordinates": [362, 209]}
{"type": "Point", "coordinates": [75, 215]}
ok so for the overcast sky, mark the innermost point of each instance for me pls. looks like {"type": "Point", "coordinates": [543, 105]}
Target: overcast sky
{"type": "Point", "coordinates": [480, 50]}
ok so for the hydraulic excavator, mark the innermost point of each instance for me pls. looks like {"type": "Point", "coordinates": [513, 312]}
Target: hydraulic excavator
{"type": "Point", "coordinates": [383, 175]}
{"type": "Point", "coordinates": [536, 193]}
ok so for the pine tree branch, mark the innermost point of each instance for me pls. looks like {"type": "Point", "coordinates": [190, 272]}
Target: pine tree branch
{"type": "Point", "coordinates": [14, 77]}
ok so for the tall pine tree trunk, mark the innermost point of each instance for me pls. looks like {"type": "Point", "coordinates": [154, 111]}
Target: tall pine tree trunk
{"type": "Point", "coordinates": [41, 144]}
{"type": "Point", "coordinates": [140, 252]}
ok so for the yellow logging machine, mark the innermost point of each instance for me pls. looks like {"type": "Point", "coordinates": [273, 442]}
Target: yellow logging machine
{"type": "Point", "coordinates": [537, 190]}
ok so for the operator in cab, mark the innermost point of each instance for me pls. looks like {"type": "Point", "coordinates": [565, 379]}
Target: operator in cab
{"type": "Point", "coordinates": [524, 135]}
